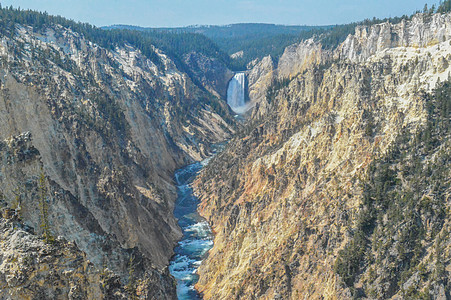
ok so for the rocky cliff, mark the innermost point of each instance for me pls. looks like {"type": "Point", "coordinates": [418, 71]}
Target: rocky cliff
{"type": "Point", "coordinates": [210, 72]}
{"type": "Point", "coordinates": [260, 77]}
{"type": "Point", "coordinates": [420, 31]}
{"type": "Point", "coordinates": [33, 269]}
{"type": "Point", "coordinates": [105, 128]}
{"type": "Point", "coordinates": [340, 187]}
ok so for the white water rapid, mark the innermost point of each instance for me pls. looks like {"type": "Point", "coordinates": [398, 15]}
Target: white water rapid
{"type": "Point", "coordinates": [236, 93]}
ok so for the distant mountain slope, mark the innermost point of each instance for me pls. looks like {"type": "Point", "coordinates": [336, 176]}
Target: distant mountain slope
{"type": "Point", "coordinates": [216, 32]}
{"type": "Point", "coordinates": [248, 43]}
{"type": "Point", "coordinates": [255, 40]}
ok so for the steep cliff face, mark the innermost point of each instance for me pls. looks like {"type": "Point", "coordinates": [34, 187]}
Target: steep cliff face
{"type": "Point", "coordinates": [421, 31]}
{"type": "Point", "coordinates": [289, 197]}
{"type": "Point", "coordinates": [108, 129]}
{"type": "Point", "coordinates": [32, 269]}
{"type": "Point", "coordinates": [296, 58]}
{"type": "Point", "coordinates": [265, 73]}
{"type": "Point", "coordinates": [211, 73]}
{"type": "Point", "coordinates": [260, 78]}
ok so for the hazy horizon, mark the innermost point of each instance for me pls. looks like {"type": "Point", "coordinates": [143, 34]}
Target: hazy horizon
{"type": "Point", "coordinates": [178, 13]}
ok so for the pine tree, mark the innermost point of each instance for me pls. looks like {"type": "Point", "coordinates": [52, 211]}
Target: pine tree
{"type": "Point", "coordinates": [131, 286]}
{"type": "Point", "coordinates": [17, 203]}
{"type": "Point", "coordinates": [444, 7]}
{"type": "Point", "coordinates": [44, 208]}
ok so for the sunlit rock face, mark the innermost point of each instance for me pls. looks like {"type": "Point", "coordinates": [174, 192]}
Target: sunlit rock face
{"type": "Point", "coordinates": [236, 93]}
{"type": "Point", "coordinates": [286, 196]}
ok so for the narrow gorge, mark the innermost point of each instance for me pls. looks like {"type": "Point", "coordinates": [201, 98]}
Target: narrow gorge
{"type": "Point", "coordinates": [197, 236]}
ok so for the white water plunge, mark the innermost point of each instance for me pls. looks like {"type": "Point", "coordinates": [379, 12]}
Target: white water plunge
{"type": "Point", "coordinates": [236, 93]}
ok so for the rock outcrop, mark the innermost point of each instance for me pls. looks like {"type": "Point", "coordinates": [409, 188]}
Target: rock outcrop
{"type": "Point", "coordinates": [259, 78]}
{"type": "Point", "coordinates": [294, 199]}
{"type": "Point", "coordinates": [33, 269]}
{"type": "Point", "coordinates": [422, 31]}
{"type": "Point", "coordinates": [299, 57]}
{"type": "Point", "coordinates": [211, 73]}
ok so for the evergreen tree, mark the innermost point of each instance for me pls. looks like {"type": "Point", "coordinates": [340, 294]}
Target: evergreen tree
{"type": "Point", "coordinates": [131, 286]}
{"type": "Point", "coordinates": [444, 7]}
{"type": "Point", "coordinates": [44, 208]}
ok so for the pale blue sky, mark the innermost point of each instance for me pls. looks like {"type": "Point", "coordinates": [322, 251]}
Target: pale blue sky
{"type": "Point", "coordinates": [162, 13]}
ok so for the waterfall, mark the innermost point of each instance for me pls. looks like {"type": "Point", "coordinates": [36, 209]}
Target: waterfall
{"type": "Point", "coordinates": [235, 93]}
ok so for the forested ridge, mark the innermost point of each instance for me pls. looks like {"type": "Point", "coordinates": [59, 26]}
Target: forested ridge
{"type": "Point", "coordinates": [219, 42]}
{"type": "Point", "coordinates": [257, 40]}
{"type": "Point", "coordinates": [173, 44]}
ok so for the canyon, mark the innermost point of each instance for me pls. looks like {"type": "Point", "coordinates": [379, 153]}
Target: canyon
{"type": "Point", "coordinates": [333, 183]}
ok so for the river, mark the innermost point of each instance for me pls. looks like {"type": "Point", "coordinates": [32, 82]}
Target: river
{"type": "Point", "coordinates": [197, 237]}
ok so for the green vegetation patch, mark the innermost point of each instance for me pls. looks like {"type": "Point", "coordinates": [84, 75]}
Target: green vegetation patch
{"type": "Point", "coordinates": [403, 210]}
